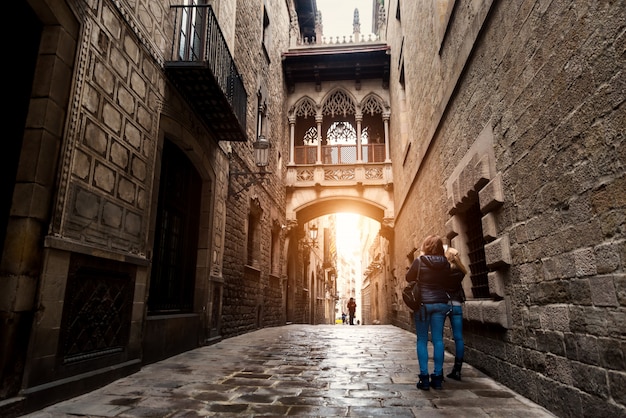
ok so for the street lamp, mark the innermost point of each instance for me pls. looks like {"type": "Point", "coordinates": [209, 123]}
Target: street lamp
{"type": "Point", "coordinates": [313, 232]}
{"type": "Point", "coordinates": [261, 157]}
{"type": "Point", "coordinates": [311, 241]}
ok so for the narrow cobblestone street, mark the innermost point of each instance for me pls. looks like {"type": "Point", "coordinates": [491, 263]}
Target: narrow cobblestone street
{"type": "Point", "coordinates": [299, 370]}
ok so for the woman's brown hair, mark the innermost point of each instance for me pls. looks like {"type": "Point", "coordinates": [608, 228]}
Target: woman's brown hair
{"type": "Point", "coordinates": [432, 245]}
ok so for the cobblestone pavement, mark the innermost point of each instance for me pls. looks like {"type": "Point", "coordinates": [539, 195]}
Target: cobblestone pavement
{"type": "Point", "coordinates": [299, 370]}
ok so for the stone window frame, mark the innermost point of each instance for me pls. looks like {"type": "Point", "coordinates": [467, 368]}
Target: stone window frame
{"type": "Point", "coordinates": [476, 173]}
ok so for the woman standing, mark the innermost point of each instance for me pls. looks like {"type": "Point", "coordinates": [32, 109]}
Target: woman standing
{"type": "Point", "coordinates": [457, 298]}
{"type": "Point", "coordinates": [431, 269]}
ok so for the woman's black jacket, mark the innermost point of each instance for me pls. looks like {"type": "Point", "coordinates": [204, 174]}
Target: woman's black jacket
{"type": "Point", "coordinates": [435, 276]}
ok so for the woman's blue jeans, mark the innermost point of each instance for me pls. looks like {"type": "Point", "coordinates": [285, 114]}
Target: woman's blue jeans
{"type": "Point", "coordinates": [431, 316]}
{"type": "Point", "coordinates": [456, 323]}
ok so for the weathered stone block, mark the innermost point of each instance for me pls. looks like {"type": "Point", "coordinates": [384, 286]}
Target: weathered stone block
{"type": "Point", "coordinates": [119, 63]}
{"type": "Point", "coordinates": [607, 257]}
{"type": "Point", "coordinates": [452, 227]}
{"type": "Point", "coordinates": [490, 227]}
{"type": "Point", "coordinates": [585, 262]}
{"type": "Point", "coordinates": [591, 379]}
{"type": "Point", "coordinates": [550, 342]}
{"type": "Point", "coordinates": [603, 291]}
{"type": "Point", "coordinates": [138, 85]}
{"type": "Point", "coordinates": [559, 267]}
{"type": "Point", "coordinates": [104, 178]}
{"type": "Point", "coordinates": [132, 224]}
{"type": "Point", "coordinates": [104, 78]}
{"type": "Point", "coordinates": [492, 195]}
{"type": "Point", "coordinates": [95, 138]}
{"type": "Point", "coordinates": [558, 367]}
{"type": "Point", "coordinates": [112, 118]}
{"type": "Point", "coordinates": [86, 204]}
{"type": "Point", "coordinates": [496, 284]}
{"type": "Point", "coordinates": [498, 253]}
{"type": "Point", "coordinates": [132, 135]}
{"type": "Point", "coordinates": [112, 215]}
{"type": "Point", "coordinates": [125, 100]}
{"type": "Point", "coordinates": [119, 155]}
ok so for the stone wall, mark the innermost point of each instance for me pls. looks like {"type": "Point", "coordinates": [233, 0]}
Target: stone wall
{"type": "Point", "coordinates": [253, 298]}
{"type": "Point", "coordinates": [546, 79]}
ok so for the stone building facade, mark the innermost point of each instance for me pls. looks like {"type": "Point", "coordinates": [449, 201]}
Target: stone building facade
{"type": "Point", "coordinates": [131, 226]}
{"type": "Point", "coordinates": [508, 121]}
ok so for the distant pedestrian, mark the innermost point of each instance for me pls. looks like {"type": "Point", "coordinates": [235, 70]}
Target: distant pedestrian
{"type": "Point", "coordinates": [457, 298]}
{"type": "Point", "coordinates": [351, 310]}
{"type": "Point", "coordinates": [343, 317]}
{"type": "Point", "coordinates": [430, 270]}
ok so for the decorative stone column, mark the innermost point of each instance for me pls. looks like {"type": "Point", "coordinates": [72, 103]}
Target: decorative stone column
{"type": "Point", "coordinates": [386, 116]}
{"type": "Point", "coordinates": [292, 148]}
{"type": "Point", "coordinates": [359, 148]}
{"type": "Point", "coordinates": [318, 121]}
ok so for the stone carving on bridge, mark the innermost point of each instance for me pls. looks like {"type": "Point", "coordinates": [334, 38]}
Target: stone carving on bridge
{"type": "Point", "coordinates": [339, 173]}
{"type": "Point", "coordinates": [374, 173]}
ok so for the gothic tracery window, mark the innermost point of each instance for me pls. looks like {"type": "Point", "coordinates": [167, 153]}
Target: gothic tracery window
{"type": "Point", "coordinates": [341, 133]}
{"type": "Point", "coordinates": [310, 136]}
{"type": "Point", "coordinates": [338, 104]}
{"type": "Point", "coordinates": [305, 108]}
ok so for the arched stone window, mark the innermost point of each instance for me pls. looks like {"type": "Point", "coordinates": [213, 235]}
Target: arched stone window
{"type": "Point", "coordinates": [372, 129]}
{"type": "Point", "coordinates": [305, 131]}
{"type": "Point", "coordinates": [339, 129]}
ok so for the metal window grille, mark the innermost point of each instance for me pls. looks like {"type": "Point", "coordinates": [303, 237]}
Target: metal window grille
{"type": "Point", "coordinates": [476, 251]}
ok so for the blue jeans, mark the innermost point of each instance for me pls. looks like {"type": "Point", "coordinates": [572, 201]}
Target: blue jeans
{"type": "Point", "coordinates": [431, 316]}
{"type": "Point", "coordinates": [456, 323]}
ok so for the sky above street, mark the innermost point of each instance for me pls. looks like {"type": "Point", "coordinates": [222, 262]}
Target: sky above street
{"type": "Point", "coordinates": [337, 16]}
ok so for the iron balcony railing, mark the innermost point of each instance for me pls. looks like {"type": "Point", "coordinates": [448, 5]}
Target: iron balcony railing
{"type": "Point", "coordinates": [202, 68]}
{"type": "Point", "coordinates": [339, 154]}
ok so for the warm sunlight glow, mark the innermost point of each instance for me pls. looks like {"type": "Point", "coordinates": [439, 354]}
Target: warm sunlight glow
{"type": "Point", "coordinates": [347, 233]}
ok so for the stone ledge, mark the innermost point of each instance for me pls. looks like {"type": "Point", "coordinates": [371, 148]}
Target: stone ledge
{"type": "Point", "coordinates": [498, 253]}
{"type": "Point", "coordinates": [487, 312]}
{"type": "Point", "coordinates": [65, 244]}
{"type": "Point", "coordinates": [491, 196]}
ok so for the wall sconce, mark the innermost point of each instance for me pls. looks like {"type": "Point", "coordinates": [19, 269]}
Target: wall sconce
{"type": "Point", "coordinates": [261, 157]}
{"type": "Point", "coordinates": [311, 241]}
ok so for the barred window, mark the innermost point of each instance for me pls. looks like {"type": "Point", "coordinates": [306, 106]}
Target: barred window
{"type": "Point", "coordinates": [472, 220]}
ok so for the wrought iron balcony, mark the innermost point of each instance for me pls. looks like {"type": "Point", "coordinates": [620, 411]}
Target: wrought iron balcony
{"type": "Point", "coordinates": [201, 67]}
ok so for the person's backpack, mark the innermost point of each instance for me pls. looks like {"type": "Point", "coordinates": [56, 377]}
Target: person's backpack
{"type": "Point", "coordinates": [412, 294]}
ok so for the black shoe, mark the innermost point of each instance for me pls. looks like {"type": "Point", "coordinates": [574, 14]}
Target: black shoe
{"type": "Point", "coordinates": [456, 369]}
{"type": "Point", "coordinates": [424, 382]}
{"type": "Point", "coordinates": [436, 381]}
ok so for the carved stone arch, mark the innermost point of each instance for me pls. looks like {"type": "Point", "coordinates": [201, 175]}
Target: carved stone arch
{"type": "Point", "coordinates": [364, 206]}
{"type": "Point", "coordinates": [339, 102]}
{"type": "Point", "coordinates": [373, 104]}
{"type": "Point", "coordinates": [304, 107]}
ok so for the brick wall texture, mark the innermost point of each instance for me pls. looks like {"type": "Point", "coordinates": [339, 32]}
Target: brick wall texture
{"type": "Point", "coordinates": [547, 77]}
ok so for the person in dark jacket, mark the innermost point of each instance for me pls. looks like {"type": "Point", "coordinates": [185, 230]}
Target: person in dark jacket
{"type": "Point", "coordinates": [351, 310]}
{"type": "Point", "coordinates": [455, 291]}
{"type": "Point", "coordinates": [431, 269]}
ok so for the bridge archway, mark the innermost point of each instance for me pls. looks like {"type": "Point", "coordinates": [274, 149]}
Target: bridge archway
{"type": "Point", "coordinates": [307, 204]}
{"type": "Point", "coordinates": [327, 206]}
{"type": "Point", "coordinates": [372, 201]}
